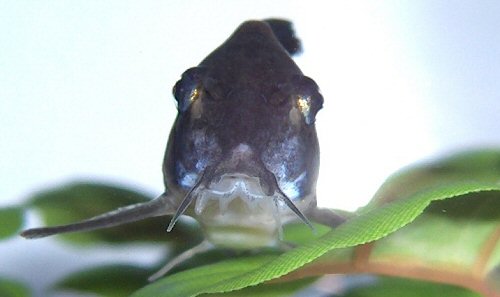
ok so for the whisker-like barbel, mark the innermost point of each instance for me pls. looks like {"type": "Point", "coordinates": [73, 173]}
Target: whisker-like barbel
{"type": "Point", "coordinates": [186, 201]}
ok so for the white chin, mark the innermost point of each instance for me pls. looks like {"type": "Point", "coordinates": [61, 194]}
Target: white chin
{"type": "Point", "coordinates": [245, 188]}
{"type": "Point", "coordinates": [236, 213]}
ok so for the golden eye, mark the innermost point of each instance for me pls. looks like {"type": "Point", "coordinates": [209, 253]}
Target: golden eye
{"type": "Point", "coordinates": [304, 105]}
{"type": "Point", "coordinates": [195, 94]}
{"type": "Point", "coordinates": [195, 103]}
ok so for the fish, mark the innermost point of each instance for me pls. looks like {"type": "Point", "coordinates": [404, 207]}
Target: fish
{"type": "Point", "coordinates": [242, 157]}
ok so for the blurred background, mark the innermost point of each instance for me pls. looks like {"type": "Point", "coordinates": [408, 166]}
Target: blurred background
{"type": "Point", "coordinates": [85, 94]}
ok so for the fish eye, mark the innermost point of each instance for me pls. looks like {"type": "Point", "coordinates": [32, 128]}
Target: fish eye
{"type": "Point", "coordinates": [188, 89]}
{"type": "Point", "coordinates": [304, 106]}
{"type": "Point", "coordinates": [307, 99]}
{"type": "Point", "coordinates": [194, 95]}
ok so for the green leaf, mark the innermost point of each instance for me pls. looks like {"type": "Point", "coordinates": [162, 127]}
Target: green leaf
{"type": "Point", "coordinates": [282, 289]}
{"type": "Point", "coordinates": [78, 201]}
{"type": "Point", "coordinates": [299, 233]}
{"type": "Point", "coordinates": [455, 241]}
{"type": "Point", "coordinates": [371, 225]}
{"type": "Point", "coordinates": [398, 287]}
{"type": "Point", "coordinates": [12, 221]}
{"type": "Point", "coordinates": [461, 233]}
{"type": "Point", "coordinates": [471, 166]}
{"type": "Point", "coordinates": [122, 280]}
{"type": "Point", "coordinates": [190, 281]}
{"type": "Point", "coordinates": [109, 281]}
{"type": "Point", "coordinates": [10, 288]}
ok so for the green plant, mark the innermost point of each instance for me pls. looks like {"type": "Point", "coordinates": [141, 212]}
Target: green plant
{"type": "Point", "coordinates": [432, 229]}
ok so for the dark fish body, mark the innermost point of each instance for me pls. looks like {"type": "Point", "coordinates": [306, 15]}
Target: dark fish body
{"type": "Point", "coordinates": [246, 121]}
{"type": "Point", "coordinates": [243, 156]}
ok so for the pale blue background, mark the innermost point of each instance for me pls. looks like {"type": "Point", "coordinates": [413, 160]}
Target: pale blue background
{"type": "Point", "coordinates": [85, 93]}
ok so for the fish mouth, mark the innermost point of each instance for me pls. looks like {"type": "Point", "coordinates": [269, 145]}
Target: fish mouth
{"type": "Point", "coordinates": [236, 212]}
{"type": "Point", "coordinates": [231, 187]}
{"type": "Point", "coordinates": [240, 201]}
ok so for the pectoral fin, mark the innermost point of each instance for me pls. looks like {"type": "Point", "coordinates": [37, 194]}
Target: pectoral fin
{"type": "Point", "coordinates": [327, 217]}
{"type": "Point", "coordinates": [123, 215]}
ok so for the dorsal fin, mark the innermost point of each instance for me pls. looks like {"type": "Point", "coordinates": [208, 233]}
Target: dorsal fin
{"type": "Point", "coordinates": [283, 30]}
